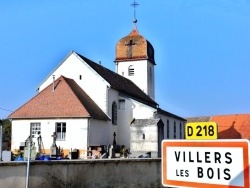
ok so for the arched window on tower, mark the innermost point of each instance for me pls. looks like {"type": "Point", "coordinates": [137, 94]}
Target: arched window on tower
{"type": "Point", "coordinates": [131, 70]}
{"type": "Point", "coordinates": [174, 130]}
{"type": "Point", "coordinates": [114, 113]}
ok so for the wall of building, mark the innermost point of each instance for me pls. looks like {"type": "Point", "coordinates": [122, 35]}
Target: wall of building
{"type": "Point", "coordinates": [141, 74]}
{"type": "Point", "coordinates": [76, 133]}
{"type": "Point", "coordinates": [100, 133]}
{"type": "Point", "coordinates": [133, 109]}
{"type": "Point", "coordinates": [142, 111]}
{"type": "Point", "coordinates": [172, 133]}
{"type": "Point", "coordinates": [73, 67]}
{"type": "Point", "coordinates": [141, 145]}
{"type": "Point", "coordinates": [85, 173]}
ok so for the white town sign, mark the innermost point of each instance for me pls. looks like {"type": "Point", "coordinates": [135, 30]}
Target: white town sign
{"type": "Point", "coordinates": [196, 163]}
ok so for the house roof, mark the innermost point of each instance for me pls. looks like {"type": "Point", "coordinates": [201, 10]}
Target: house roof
{"type": "Point", "coordinates": [120, 83]}
{"type": "Point", "coordinates": [234, 126]}
{"type": "Point", "coordinates": [66, 100]}
{"type": "Point", "coordinates": [146, 122]}
{"type": "Point", "coordinates": [198, 119]}
{"type": "Point", "coordinates": [161, 111]}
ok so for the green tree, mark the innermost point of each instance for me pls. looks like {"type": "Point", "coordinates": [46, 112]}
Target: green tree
{"type": "Point", "coordinates": [6, 129]}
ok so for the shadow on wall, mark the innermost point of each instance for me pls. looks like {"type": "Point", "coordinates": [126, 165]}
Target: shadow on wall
{"type": "Point", "coordinates": [230, 133]}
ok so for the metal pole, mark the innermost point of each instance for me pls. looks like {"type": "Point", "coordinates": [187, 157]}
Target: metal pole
{"type": "Point", "coordinates": [28, 162]}
{"type": "Point", "coordinates": [1, 140]}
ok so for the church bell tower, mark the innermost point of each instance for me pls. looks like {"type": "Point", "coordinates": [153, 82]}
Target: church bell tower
{"type": "Point", "coordinates": [135, 60]}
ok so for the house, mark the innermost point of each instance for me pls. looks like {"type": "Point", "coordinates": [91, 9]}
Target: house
{"type": "Point", "coordinates": [230, 126]}
{"type": "Point", "coordinates": [85, 103]}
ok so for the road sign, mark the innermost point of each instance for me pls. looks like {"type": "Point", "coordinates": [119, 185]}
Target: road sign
{"type": "Point", "coordinates": [206, 163]}
{"type": "Point", "coordinates": [201, 131]}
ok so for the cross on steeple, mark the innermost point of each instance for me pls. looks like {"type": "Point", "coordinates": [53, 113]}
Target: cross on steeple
{"type": "Point", "coordinates": [134, 4]}
{"type": "Point", "coordinates": [130, 48]}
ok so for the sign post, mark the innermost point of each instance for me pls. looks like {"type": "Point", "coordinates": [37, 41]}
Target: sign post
{"type": "Point", "coordinates": [205, 163]}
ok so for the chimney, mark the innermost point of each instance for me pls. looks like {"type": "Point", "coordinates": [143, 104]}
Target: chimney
{"type": "Point", "coordinates": [53, 85]}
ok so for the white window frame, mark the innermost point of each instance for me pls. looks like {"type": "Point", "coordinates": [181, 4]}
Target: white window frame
{"type": "Point", "coordinates": [60, 135]}
{"type": "Point", "coordinates": [35, 129]}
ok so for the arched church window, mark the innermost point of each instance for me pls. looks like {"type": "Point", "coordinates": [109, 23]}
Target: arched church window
{"type": "Point", "coordinates": [114, 113]}
{"type": "Point", "coordinates": [131, 70]}
{"type": "Point", "coordinates": [174, 130]}
{"type": "Point", "coordinates": [167, 128]}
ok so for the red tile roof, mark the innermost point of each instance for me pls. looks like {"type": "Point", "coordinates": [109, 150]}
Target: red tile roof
{"type": "Point", "coordinates": [141, 50]}
{"type": "Point", "coordinates": [233, 126]}
{"type": "Point", "coordinates": [67, 100]}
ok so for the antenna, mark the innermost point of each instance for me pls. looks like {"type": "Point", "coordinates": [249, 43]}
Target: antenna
{"type": "Point", "coordinates": [135, 4]}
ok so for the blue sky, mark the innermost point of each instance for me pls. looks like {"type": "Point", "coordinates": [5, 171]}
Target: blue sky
{"type": "Point", "coordinates": [201, 48]}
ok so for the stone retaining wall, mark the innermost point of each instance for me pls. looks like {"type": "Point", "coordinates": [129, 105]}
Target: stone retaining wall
{"type": "Point", "coordinates": [111, 173]}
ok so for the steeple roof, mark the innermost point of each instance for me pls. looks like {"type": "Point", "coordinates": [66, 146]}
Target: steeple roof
{"type": "Point", "coordinates": [134, 47]}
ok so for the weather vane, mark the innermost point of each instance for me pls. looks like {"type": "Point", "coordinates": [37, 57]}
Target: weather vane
{"type": "Point", "coordinates": [134, 4]}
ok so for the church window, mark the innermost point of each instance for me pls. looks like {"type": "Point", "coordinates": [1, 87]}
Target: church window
{"type": "Point", "coordinates": [180, 130]}
{"type": "Point", "coordinates": [131, 70]}
{"type": "Point", "coordinates": [35, 129]}
{"type": "Point", "coordinates": [167, 128]}
{"type": "Point", "coordinates": [143, 136]}
{"type": "Point", "coordinates": [121, 104]}
{"type": "Point", "coordinates": [61, 131]}
{"type": "Point", "coordinates": [80, 77]}
{"type": "Point", "coordinates": [114, 113]}
{"type": "Point", "coordinates": [174, 130]}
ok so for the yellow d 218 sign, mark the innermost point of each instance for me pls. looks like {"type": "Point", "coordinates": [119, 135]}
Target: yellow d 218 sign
{"type": "Point", "coordinates": [201, 131]}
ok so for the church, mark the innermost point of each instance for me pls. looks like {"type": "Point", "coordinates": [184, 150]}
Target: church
{"type": "Point", "coordinates": [85, 104]}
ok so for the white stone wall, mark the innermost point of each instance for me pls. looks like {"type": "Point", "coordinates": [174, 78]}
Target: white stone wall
{"type": "Point", "coordinates": [150, 143]}
{"type": "Point", "coordinates": [100, 132]}
{"type": "Point", "coordinates": [76, 132]}
{"type": "Point", "coordinates": [133, 109]}
{"type": "Point", "coordinates": [144, 173]}
{"type": "Point", "coordinates": [141, 74]}
{"type": "Point", "coordinates": [125, 116]}
{"type": "Point", "coordinates": [73, 67]}
{"type": "Point", "coordinates": [142, 111]}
